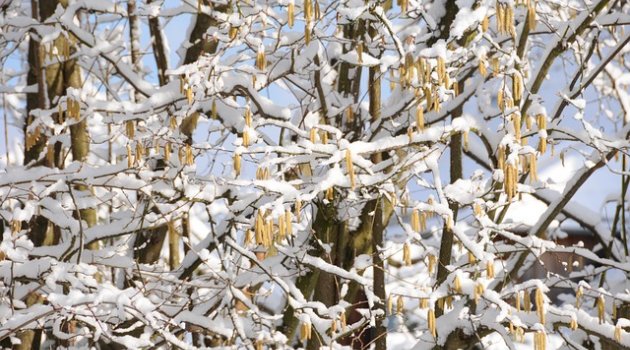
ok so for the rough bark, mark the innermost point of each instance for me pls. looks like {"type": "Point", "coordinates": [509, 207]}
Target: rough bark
{"type": "Point", "coordinates": [380, 337]}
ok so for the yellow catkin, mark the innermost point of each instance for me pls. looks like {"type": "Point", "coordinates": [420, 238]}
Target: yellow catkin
{"type": "Point", "coordinates": [404, 5]}
{"type": "Point", "coordinates": [403, 77]}
{"type": "Point", "coordinates": [308, 10]}
{"type": "Point", "coordinates": [540, 305]}
{"type": "Point", "coordinates": [500, 15]}
{"type": "Point", "coordinates": [410, 68]}
{"type": "Point", "coordinates": [129, 157]}
{"type": "Point", "coordinates": [601, 308]}
{"type": "Point", "coordinates": [233, 32]}
{"type": "Point", "coordinates": [70, 108]}
{"type": "Point", "coordinates": [477, 210]}
{"type": "Point", "coordinates": [431, 322]}
{"type": "Point", "coordinates": [540, 340]}
{"type": "Point", "coordinates": [130, 129]}
{"type": "Point", "coordinates": [390, 304]}
{"type": "Point", "coordinates": [519, 334]}
{"type": "Point", "coordinates": [317, 11]}
{"type": "Point", "coordinates": [307, 33]}
{"type": "Point", "coordinates": [428, 95]}
{"type": "Point", "coordinates": [189, 95]}
{"type": "Point", "coordinates": [509, 182]}
{"type": "Point", "coordinates": [406, 254]}
{"type": "Point", "coordinates": [262, 173]}
{"type": "Point", "coordinates": [181, 155]}
{"type": "Point", "coordinates": [465, 140]}
{"type": "Point", "coordinates": [32, 138]}
{"type": "Point", "coordinates": [213, 112]}
{"type": "Point", "coordinates": [172, 123]}
{"type": "Point", "coordinates": [139, 152]}
{"type": "Point", "coordinates": [510, 21]}
{"type": "Point", "coordinates": [424, 303]}
{"type": "Point", "coordinates": [350, 168]}
{"type": "Point", "coordinates": [237, 164]}
{"type": "Point", "coordinates": [427, 71]}
{"type": "Point", "coordinates": [291, 14]}
{"type": "Point", "coordinates": [349, 115]}
{"type": "Point", "coordinates": [305, 331]}
{"type": "Point", "coordinates": [423, 221]}
{"type": "Point", "coordinates": [533, 168]}
{"type": "Point", "coordinates": [323, 135]}
{"type": "Point", "coordinates": [190, 160]}
{"type": "Point", "coordinates": [573, 324]}
{"type": "Point", "coordinates": [441, 70]}
{"type": "Point", "coordinates": [246, 141]}
{"type": "Point", "coordinates": [288, 222]}
{"type": "Point", "coordinates": [516, 121]}
{"type": "Point", "coordinates": [270, 233]}
{"type": "Point", "coordinates": [528, 123]}
{"type": "Point", "coordinates": [500, 100]}
{"type": "Point", "coordinates": [282, 229]}
{"type": "Point", "coordinates": [495, 66]}
{"type": "Point", "coordinates": [517, 86]}
{"type": "Point", "coordinates": [531, 15]}
{"type": "Point", "coordinates": [419, 118]}
{"type": "Point", "coordinates": [167, 152]}
{"type": "Point", "coordinates": [490, 269]}
{"type": "Point", "coordinates": [392, 80]}
{"type": "Point", "coordinates": [485, 23]}
{"type": "Point", "coordinates": [258, 228]}
{"type": "Point", "coordinates": [457, 285]}
{"type": "Point", "coordinates": [313, 135]}
{"type": "Point", "coordinates": [50, 154]}
{"type": "Point", "coordinates": [479, 290]}
{"type": "Point", "coordinates": [16, 226]}
{"type": "Point", "coordinates": [330, 194]}
{"type": "Point", "coordinates": [400, 305]}
{"type": "Point", "coordinates": [415, 220]}
{"type": "Point", "coordinates": [517, 301]}
{"type": "Point", "coordinates": [248, 116]}
{"type": "Point", "coordinates": [77, 110]}
{"type": "Point", "coordinates": [249, 235]}
{"type": "Point", "coordinates": [542, 145]}
{"type": "Point", "coordinates": [617, 334]}
{"type": "Point", "coordinates": [432, 262]}
{"type": "Point", "coordinates": [298, 210]}
{"type": "Point", "coordinates": [343, 321]}
{"type": "Point", "coordinates": [527, 301]}
{"type": "Point", "coordinates": [261, 61]}
{"type": "Point", "coordinates": [483, 70]}
{"type": "Point", "coordinates": [541, 121]}
{"type": "Point", "coordinates": [436, 101]}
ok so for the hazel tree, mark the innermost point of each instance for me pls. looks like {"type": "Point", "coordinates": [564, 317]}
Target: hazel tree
{"type": "Point", "coordinates": [317, 173]}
